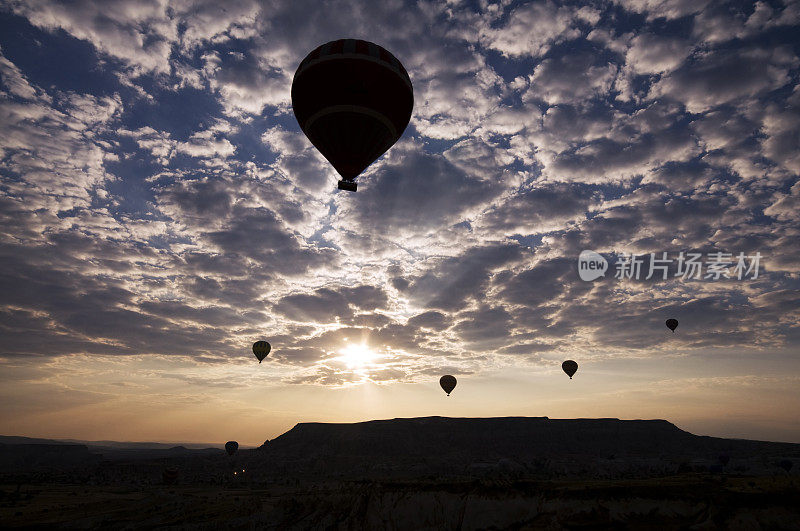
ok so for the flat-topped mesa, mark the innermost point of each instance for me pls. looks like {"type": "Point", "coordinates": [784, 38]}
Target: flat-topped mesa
{"type": "Point", "coordinates": [431, 437]}
{"type": "Point", "coordinates": [538, 447]}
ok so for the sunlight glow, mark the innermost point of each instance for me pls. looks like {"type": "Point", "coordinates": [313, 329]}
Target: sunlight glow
{"type": "Point", "coordinates": [357, 355]}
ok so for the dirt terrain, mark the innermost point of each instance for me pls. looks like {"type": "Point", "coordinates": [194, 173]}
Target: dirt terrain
{"type": "Point", "coordinates": [426, 473]}
{"type": "Point", "coordinates": [680, 502]}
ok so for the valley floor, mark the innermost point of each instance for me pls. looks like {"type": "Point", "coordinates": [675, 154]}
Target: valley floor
{"type": "Point", "coordinates": [679, 502]}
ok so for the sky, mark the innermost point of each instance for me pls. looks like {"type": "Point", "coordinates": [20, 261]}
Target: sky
{"type": "Point", "coordinates": [161, 210]}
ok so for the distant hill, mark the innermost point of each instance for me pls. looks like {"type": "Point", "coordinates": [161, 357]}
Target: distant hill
{"type": "Point", "coordinates": [428, 447]}
{"type": "Point", "coordinates": [20, 453]}
{"type": "Point", "coordinates": [7, 439]}
{"type": "Point", "coordinates": [530, 443]}
{"type": "Point", "coordinates": [415, 473]}
{"type": "Point", "coordinates": [33, 456]}
{"type": "Point", "coordinates": [504, 436]}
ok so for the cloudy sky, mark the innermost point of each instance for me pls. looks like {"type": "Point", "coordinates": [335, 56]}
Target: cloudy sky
{"type": "Point", "coordinates": [161, 211]}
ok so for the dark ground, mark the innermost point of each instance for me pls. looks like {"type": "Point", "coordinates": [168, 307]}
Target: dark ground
{"type": "Point", "coordinates": [427, 473]}
{"type": "Point", "coordinates": [679, 502]}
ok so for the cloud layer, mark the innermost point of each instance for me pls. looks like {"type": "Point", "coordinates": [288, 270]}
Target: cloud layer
{"type": "Point", "coordinates": [158, 198]}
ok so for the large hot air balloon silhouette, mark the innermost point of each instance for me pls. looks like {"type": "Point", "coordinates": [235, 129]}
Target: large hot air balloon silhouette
{"type": "Point", "coordinates": [448, 383]}
{"type": "Point", "coordinates": [261, 349]}
{"type": "Point", "coordinates": [231, 447]}
{"type": "Point", "coordinates": [569, 367]}
{"type": "Point", "coordinates": [672, 324]}
{"type": "Point", "coordinates": [353, 100]}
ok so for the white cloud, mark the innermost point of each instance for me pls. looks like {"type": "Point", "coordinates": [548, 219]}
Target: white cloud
{"type": "Point", "coordinates": [139, 32]}
{"type": "Point", "coordinates": [669, 9]}
{"type": "Point", "coordinates": [718, 77]}
{"type": "Point", "coordinates": [516, 132]}
{"type": "Point", "coordinates": [786, 206]}
{"type": "Point", "coordinates": [653, 54]}
{"type": "Point", "coordinates": [531, 29]}
{"type": "Point", "coordinates": [570, 78]}
{"type": "Point", "coordinates": [14, 81]}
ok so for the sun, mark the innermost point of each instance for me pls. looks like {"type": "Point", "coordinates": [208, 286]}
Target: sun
{"type": "Point", "coordinates": [357, 355]}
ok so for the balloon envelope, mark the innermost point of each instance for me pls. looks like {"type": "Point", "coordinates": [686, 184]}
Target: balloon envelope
{"type": "Point", "coordinates": [724, 459]}
{"type": "Point", "coordinates": [448, 383]}
{"type": "Point", "coordinates": [569, 367]}
{"type": "Point", "coordinates": [786, 465]}
{"type": "Point", "coordinates": [353, 100]}
{"type": "Point", "coordinates": [261, 349]}
{"type": "Point", "coordinates": [231, 447]}
{"type": "Point", "coordinates": [672, 324]}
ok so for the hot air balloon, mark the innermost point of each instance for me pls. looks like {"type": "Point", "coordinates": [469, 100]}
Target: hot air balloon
{"type": "Point", "coordinates": [261, 349]}
{"type": "Point", "coordinates": [353, 100]}
{"type": "Point", "coordinates": [448, 383]}
{"type": "Point", "coordinates": [231, 447]}
{"type": "Point", "coordinates": [672, 324]}
{"type": "Point", "coordinates": [724, 459]}
{"type": "Point", "coordinates": [569, 367]}
{"type": "Point", "coordinates": [786, 465]}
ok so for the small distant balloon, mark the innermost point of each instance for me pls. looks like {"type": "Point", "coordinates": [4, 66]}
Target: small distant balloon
{"type": "Point", "coordinates": [261, 349]}
{"type": "Point", "coordinates": [231, 447]}
{"type": "Point", "coordinates": [724, 459]}
{"type": "Point", "coordinates": [672, 324]}
{"type": "Point", "coordinates": [448, 383]}
{"type": "Point", "coordinates": [786, 465]}
{"type": "Point", "coordinates": [570, 367]}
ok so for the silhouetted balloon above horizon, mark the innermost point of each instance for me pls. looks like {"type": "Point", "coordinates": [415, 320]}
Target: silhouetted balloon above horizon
{"type": "Point", "coordinates": [353, 100]}
{"type": "Point", "coordinates": [261, 350]}
{"type": "Point", "coordinates": [672, 324]}
{"type": "Point", "coordinates": [231, 447]}
{"type": "Point", "coordinates": [570, 367]}
{"type": "Point", "coordinates": [448, 383]}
